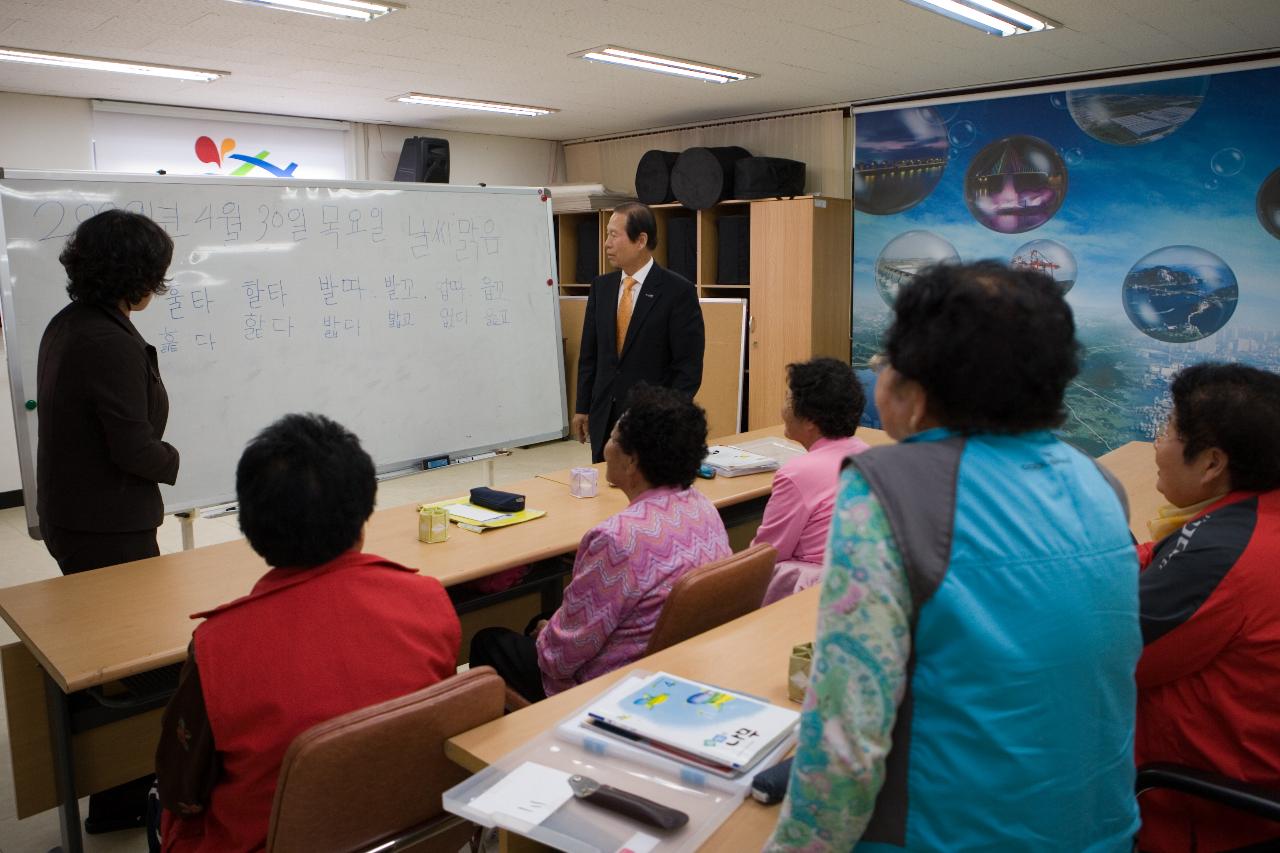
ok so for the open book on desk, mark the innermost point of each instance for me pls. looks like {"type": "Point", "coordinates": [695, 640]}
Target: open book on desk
{"type": "Point", "coordinates": [573, 747]}
{"type": "Point", "coordinates": [729, 461]}
{"type": "Point", "coordinates": [713, 729]}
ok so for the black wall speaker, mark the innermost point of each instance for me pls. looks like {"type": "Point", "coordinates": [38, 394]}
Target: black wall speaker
{"type": "Point", "coordinates": [424, 160]}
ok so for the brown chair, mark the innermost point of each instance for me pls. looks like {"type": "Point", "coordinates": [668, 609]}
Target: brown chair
{"type": "Point", "coordinates": [375, 775]}
{"type": "Point", "coordinates": [714, 594]}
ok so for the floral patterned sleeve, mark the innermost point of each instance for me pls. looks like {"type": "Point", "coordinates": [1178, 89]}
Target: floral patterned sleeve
{"type": "Point", "coordinates": [859, 675]}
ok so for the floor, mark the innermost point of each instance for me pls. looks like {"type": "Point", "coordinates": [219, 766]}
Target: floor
{"type": "Point", "coordinates": [23, 559]}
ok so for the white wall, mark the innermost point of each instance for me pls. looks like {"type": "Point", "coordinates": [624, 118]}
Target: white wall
{"type": "Point", "coordinates": [473, 157]}
{"type": "Point", "coordinates": [41, 132]}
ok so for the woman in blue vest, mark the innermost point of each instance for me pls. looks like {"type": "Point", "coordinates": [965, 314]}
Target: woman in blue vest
{"type": "Point", "coordinates": [972, 683]}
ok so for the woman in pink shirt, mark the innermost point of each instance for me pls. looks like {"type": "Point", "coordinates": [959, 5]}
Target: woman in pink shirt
{"type": "Point", "coordinates": [625, 565]}
{"type": "Point", "coordinates": [823, 406]}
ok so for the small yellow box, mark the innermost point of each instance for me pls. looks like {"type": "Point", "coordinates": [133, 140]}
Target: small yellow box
{"type": "Point", "coordinates": [433, 524]}
{"type": "Point", "coordinates": [798, 671]}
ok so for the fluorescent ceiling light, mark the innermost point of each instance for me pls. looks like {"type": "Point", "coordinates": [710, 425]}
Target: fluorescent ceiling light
{"type": "Point", "coordinates": [89, 63]}
{"type": "Point", "coordinates": [663, 64]}
{"type": "Point", "coordinates": [346, 10]}
{"type": "Point", "coordinates": [468, 104]}
{"type": "Point", "coordinates": [999, 19]}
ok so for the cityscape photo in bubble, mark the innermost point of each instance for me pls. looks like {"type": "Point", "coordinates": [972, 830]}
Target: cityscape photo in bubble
{"type": "Point", "coordinates": [1048, 257]}
{"type": "Point", "coordinates": [901, 155]}
{"type": "Point", "coordinates": [1137, 113]}
{"type": "Point", "coordinates": [1180, 294]}
{"type": "Point", "coordinates": [903, 257]}
{"type": "Point", "coordinates": [1015, 184]}
{"type": "Point", "coordinates": [1268, 204]}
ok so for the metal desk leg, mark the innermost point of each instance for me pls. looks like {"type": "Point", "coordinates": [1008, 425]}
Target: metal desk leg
{"type": "Point", "coordinates": [64, 771]}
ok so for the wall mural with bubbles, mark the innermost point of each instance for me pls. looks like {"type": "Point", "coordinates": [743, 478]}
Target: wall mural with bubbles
{"type": "Point", "coordinates": [1155, 206]}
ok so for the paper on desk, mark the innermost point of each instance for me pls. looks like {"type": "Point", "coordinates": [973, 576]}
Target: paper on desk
{"type": "Point", "coordinates": [529, 793]}
{"type": "Point", "coordinates": [473, 513]}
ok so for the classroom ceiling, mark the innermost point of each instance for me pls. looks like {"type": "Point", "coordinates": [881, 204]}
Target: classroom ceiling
{"type": "Point", "coordinates": [807, 53]}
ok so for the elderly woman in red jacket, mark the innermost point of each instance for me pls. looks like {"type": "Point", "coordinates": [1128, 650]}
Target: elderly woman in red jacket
{"type": "Point", "coordinates": [1210, 604]}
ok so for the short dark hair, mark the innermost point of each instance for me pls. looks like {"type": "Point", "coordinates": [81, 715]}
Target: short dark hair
{"type": "Point", "coordinates": [116, 255]}
{"type": "Point", "coordinates": [994, 348]}
{"type": "Point", "coordinates": [827, 392]}
{"type": "Point", "coordinates": [667, 434]}
{"type": "Point", "coordinates": [1235, 408]}
{"type": "Point", "coordinates": [640, 220]}
{"type": "Point", "coordinates": [306, 488]}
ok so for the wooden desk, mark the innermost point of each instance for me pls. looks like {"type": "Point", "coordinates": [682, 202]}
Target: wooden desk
{"type": "Point", "coordinates": [90, 628]}
{"type": "Point", "coordinates": [95, 627]}
{"type": "Point", "coordinates": [1134, 465]}
{"type": "Point", "coordinates": [749, 654]}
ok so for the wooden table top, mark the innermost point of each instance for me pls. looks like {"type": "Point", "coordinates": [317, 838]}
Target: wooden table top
{"type": "Point", "coordinates": [1134, 465]}
{"type": "Point", "coordinates": [94, 627]}
{"type": "Point", "coordinates": [749, 654]}
{"type": "Point", "coordinates": [97, 626]}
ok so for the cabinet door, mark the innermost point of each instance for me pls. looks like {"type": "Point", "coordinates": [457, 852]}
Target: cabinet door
{"type": "Point", "coordinates": [780, 326]}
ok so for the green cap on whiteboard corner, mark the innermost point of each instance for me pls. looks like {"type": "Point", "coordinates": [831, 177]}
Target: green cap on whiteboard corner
{"type": "Point", "coordinates": [31, 405]}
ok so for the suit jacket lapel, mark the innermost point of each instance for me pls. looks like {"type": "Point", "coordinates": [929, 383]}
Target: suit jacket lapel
{"type": "Point", "coordinates": [649, 294]}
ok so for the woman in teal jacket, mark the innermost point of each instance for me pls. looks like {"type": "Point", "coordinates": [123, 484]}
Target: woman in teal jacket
{"type": "Point", "coordinates": [972, 684]}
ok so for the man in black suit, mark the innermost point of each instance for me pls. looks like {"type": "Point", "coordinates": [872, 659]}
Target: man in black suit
{"type": "Point", "coordinates": [662, 337]}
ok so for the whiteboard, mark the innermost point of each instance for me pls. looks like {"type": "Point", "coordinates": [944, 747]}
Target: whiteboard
{"type": "Point", "coordinates": [424, 318]}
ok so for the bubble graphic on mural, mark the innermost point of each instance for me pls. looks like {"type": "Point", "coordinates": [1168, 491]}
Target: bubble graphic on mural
{"type": "Point", "coordinates": [1268, 204]}
{"type": "Point", "coordinates": [947, 112]}
{"type": "Point", "coordinates": [1048, 257]}
{"type": "Point", "coordinates": [903, 257]}
{"type": "Point", "coordinates": [1015, 184]}
{"type": "Point", "coordinates": [962, 133]}
{"type": "Point", "coordinates": [1211, 183]}
{"type": "Point", "coordinates": [1227, 162]}
{"type": "Point", "coordinates": [1137, 113]}
{"type": "Point", "coordinates": [1072, 156]}
{"type": "Point", "coordinates": [1180, 294]}
{"type": "Point", "coordinates": [1058, 100]}
{"type": "Point", "coordinates": [901, 155]}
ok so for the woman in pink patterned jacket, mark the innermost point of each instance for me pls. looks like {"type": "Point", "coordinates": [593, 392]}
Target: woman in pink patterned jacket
{"type": "Point", "coordinates": [625, 565]}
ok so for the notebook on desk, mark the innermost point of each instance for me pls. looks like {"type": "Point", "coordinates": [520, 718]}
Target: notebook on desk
{"type": "Point", "coordinates": [715, 729]}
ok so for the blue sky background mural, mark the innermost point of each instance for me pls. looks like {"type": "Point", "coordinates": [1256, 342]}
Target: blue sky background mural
{"type": "Point", "coordinates": [1133, 169]}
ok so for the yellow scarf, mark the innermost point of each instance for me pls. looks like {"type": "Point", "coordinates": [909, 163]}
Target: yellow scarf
{"type": "Point", "coordinates": [1169, 518]}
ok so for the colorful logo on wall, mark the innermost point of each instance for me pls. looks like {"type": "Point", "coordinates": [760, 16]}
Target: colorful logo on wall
{"type": "Point", "coordinates": [210, 152]}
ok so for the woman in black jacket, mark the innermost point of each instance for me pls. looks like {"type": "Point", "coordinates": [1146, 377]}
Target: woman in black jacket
{"type": "Point", "coordinates": [103, 408]}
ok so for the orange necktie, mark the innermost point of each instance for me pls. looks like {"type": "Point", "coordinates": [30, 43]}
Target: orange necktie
{"type": "Point", "coordinates": [625, 304]}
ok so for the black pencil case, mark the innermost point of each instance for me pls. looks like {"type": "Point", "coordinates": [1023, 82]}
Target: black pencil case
{"type": "Point", "coordinates": [496, 500]}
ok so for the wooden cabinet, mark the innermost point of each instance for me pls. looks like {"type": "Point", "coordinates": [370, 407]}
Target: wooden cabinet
{"type": "Point", "coordinates": [801, 268]}
{"type": "Point", "coordinates": [798, 292]}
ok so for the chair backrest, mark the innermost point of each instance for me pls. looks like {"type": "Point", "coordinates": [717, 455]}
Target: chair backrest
{"type": "Point", "coordinates": [370, 774]}
{"type": "Point", "coordinates": [713, 594]}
